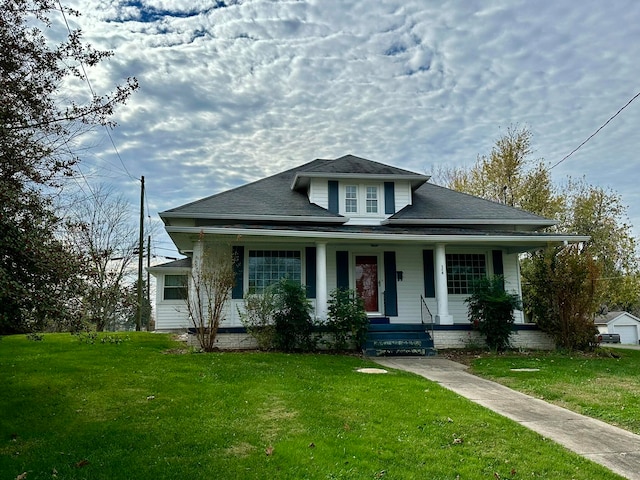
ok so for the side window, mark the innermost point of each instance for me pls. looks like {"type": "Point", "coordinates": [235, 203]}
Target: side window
{"type": "Point", "coordinates": [175, 287]}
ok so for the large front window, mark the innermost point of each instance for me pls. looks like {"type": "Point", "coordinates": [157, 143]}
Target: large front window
{"type": "Point", "coordinates": [463, 269]}
{"type": "Point", "coordinates": [267, 267]}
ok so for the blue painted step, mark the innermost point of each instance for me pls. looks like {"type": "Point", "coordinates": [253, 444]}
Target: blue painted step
{"type": "Point", "coordinates": [398, 339]}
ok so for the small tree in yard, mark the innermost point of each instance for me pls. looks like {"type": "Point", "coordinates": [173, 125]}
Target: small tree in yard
{"type": "Point", "coordinates": [347, 319]}
{"type": "Point", "coordinates": [565, 283]}
{"type": "Point", "coordinates": [491, 311]}
{"type": "Point", "coordinates": [257, 316]}
{"type": "Point", "coordinates": [211, 282]}
{"type": "Point", "coordinates": [293, 325]}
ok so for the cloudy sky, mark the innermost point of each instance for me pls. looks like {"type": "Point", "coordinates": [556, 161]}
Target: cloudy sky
{"type": "Point", "coordinates": [232, 91]}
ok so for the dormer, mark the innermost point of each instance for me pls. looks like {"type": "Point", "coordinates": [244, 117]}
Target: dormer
{"type": "Point", "coordinates": [365, 192]}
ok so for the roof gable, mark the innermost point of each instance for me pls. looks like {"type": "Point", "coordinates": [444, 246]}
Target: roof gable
{"type": "Point", "coordinates": [614, 316]}
{"type": "Point", "coordinates": [350, 166]}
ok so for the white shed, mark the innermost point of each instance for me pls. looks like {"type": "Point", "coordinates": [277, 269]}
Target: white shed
{"type": "Point", "coordinates": [623, 323]}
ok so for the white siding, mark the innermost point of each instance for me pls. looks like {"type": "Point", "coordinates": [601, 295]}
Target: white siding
{"type": "Point", "coordinates": [458, 309]}
{"type": "Point", "coordinates": [170, 314]}
{"type": "Point", "coordinates": [627, 327]}
{"type": "Point", "coordinates": [409, 262]}
{"type": "Point", "coordinates": [319, 192]}
{"type": "Point", "coordinates": [402, 194]}
{"type": "Point", "coordinates": [512, 280]}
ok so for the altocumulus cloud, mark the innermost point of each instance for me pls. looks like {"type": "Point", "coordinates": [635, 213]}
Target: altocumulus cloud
{"type": "Point", "coordinates": [232, 91]}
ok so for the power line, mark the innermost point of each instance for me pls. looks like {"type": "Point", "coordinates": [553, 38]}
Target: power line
{"type": "Point", "coordinates": [596, 132]}
{"type": "Point", "coordinates": [88, 81]}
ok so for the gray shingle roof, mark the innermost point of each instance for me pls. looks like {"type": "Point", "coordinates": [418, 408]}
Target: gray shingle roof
{"type": "Point", "coordinates": [270, 196]}
{"type": "Point", "coordinates": [180, 263]}
{"type": "Point", "coordinates": [353, 165]}
{"type": "Point", "coordinates": [273, 197]}
{"type": "Point", "coordinates": [434, 202]}
{"type": "Point", "coordinates": [607, 317]}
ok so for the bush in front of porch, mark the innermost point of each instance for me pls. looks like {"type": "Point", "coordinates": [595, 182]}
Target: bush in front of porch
{"type": "Point", "coordinates": [491, 311]}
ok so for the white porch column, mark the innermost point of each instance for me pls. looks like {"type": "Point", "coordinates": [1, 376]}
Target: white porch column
{"type": "Point", "coordinates": [321, 280]}
{"type": "Point", "coordinates": [442, 295]}
{"type": "Point", "coordinates": [195, 273]}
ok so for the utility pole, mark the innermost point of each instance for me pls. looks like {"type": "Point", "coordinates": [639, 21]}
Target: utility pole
{"type": "Point", "coordinates": [140, 255]}
{"type": "Point", "coordinates": [148, 280]}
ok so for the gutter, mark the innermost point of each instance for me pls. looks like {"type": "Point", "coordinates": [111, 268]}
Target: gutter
{"type": "Point", "coordinates": [505, 239]}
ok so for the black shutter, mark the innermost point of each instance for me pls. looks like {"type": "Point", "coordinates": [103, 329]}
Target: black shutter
{"type": "Point", "coordinates": [333, 196]}
{"type": "Point", "coordinates": [429, 274]}
{"type": "Point", "coordinates": [238, 271]}
{"type": "Point", "coordinates": [498, 265]}
{"type": "Point", "coordinates": [310, 271]}
{"type": "Point", "coordinates": [389, 198]}
{"type": "Point", "coordinates": [390, 285]}
{"type": "Point", "coordinates": [342, 269]}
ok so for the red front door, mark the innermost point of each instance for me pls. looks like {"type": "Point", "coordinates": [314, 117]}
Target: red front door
{"type": "Point", "coordinates": [367, 281]}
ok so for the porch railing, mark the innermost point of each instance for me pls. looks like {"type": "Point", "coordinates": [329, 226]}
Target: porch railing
{"type": "Point", "coordinates": [424, 307]}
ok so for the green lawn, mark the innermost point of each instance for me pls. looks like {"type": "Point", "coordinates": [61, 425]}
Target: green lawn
{"type": "Point", "coordinates": [131, 410]}
{"type": "Point", "coordinates": [605, 385]}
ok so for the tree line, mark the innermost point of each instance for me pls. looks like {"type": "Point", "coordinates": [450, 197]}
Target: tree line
{"type": "Point", "coordinates": [53, 271]}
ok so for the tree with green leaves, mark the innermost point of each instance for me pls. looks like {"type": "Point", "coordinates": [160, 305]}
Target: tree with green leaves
{"type": "Point", "coordinates": [602, 215]}
{"type": "Point", "coordinates": [565, 294]}
{"type": "Point", "coordinates": [39, 121]}
{"type": "Point", "coordinates": [508, 175]}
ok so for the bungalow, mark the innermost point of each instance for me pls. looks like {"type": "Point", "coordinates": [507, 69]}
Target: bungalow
{"type": "Point", "coordinates": [411, 249]}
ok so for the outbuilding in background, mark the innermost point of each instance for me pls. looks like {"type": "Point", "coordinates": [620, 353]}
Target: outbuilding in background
{"type": "Point", "coordinates": [623, 323]}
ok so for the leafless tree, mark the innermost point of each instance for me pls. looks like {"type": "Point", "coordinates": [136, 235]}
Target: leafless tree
{"type": "Point", "coordinates": [101, 230]}
{"type": "Point", "coordinates": [211, 281]}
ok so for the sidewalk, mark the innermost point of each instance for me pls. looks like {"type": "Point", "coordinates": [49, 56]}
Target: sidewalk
{"type": "Point", "coordinates": [612, 447]}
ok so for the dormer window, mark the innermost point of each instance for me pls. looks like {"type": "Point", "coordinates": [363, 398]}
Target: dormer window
{"type": "Point", "coordinates": [372, 200]}
{"type": "Point", "coordinates": [360, 199]}
{"type": "Point", "coordinates": [351, 199]}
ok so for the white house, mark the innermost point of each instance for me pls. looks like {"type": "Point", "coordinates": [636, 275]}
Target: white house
{"type": "Point", "coordinates": [623, 323]}
{"type": "Point", "coordinates": [410, 248]}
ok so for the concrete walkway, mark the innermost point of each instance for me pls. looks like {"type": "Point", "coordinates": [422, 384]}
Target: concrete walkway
{"type": "Point", "coordinates": [615, 448]}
